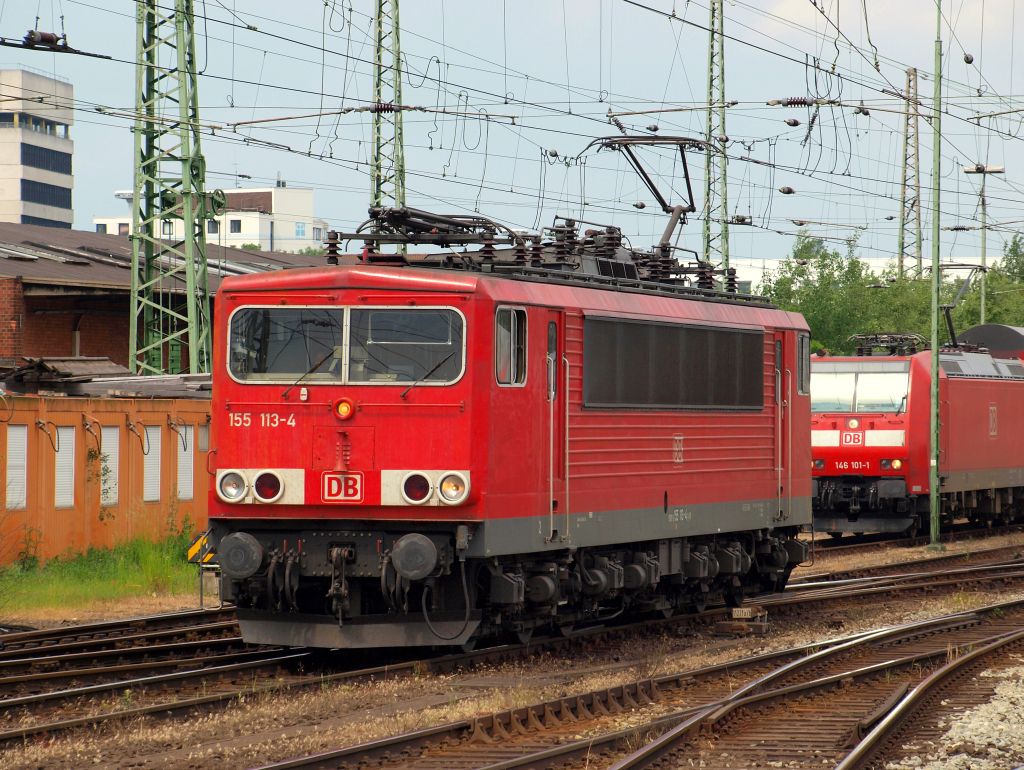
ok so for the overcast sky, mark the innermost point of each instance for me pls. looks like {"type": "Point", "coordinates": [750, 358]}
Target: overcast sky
{"type": "Point", "coordinates": [540, 76]}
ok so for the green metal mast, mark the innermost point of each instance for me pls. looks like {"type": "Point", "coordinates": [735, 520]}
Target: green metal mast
{"type": "Point", "coordinates": [170, 308]}
{"type": "Point", "coordinates": [716, 201]}
{"type": "Point", "coordinates": [910, 187]}
{"type": "Point", "coordinates": [935, 493]}
{"type": "Point", "coordinates": [388, 165]}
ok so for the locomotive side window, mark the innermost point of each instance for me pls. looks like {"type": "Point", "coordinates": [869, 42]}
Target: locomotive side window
{"type": "Point", "coordinates": [284, 343]}
{"type": "Point", "coordinates": [510, 346]}
{"type": "Point", "coordinates": [803, 363]}
{"type": "Point", "coordinates": [392, 345]}
{"type": "Point", "coordinates": [671, 366]}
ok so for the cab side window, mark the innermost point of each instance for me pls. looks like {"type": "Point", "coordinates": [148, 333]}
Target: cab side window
{"type": "Point", "coordinates": [803, 363]}
{"type": "Point", "coordinates": [510, 346]}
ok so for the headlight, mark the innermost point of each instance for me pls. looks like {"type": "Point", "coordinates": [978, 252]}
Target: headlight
{"type": "Point", "coordinates": [818, 464]}
{"type": "Point", "coordinates": [453, 488]}
{"type": "Point", "coordinates": [416, 488]}
{"type": "Point", "coordinates": [232, 487]}
{"type": "Point", "coordinates": [268, 487]}
{"type": "Point", "coordinates": [853, 423]}
{"type": "Point", "coordinates": [897, 464]}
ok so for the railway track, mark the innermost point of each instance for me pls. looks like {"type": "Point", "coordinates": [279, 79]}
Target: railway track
{"type": "Point", "coordinates": [733, 707]}
{"type": "Point", "coordinates": [49, 688]}
{"type": "Point", "coordinates": [919, 723]}
{"type": "Point", "coordinates": [536, 736]}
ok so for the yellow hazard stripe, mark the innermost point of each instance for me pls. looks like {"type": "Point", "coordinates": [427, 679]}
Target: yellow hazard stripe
{"type": "Point", "coordinates": [207, 556]}
{"type": "Point", "coordinates": [195, 548]}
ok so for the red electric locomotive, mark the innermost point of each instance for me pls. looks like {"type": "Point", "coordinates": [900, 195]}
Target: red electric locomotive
{"type": "Point", "coordinates": [871, 428]}
{"type": "Point", "coordinates": [429, 450]}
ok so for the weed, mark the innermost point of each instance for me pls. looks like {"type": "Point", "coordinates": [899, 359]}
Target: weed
{"type": "Point", "coordinates": [138, 567]}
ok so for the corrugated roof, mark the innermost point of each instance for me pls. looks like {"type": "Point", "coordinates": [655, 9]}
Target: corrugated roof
{"type": "Point", "coordinates": [60, 257]}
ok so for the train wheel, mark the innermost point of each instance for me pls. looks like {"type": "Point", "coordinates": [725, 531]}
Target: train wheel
{"type": "Point", "coordinates": [912, 530]}
{"type": "Point", "coordinates": [835, 535]}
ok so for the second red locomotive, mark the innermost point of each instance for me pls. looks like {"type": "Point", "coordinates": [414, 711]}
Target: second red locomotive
{"type": "Point", "coordinates": [871, 434]}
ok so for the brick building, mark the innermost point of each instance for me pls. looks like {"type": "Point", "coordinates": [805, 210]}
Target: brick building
{"type": "Point", "coordinates": [67, 292]}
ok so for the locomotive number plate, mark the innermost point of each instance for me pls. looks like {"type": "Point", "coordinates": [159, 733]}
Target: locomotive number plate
{"type": "Point", "coordinates": [341, 487]}
{"type": "Point", "coordinates": [853, 465]}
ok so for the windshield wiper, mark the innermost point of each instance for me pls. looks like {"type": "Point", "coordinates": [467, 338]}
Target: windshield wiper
{"type": "Point", "coordinates": [308, 372]}
{"type": "Point", "coordinates": [433, 369]}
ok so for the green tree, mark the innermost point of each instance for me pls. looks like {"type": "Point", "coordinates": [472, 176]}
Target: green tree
{"type": "Point", "coordinates": [1012, 263]}
{"type": "Point", "coordinates": [832, 290]}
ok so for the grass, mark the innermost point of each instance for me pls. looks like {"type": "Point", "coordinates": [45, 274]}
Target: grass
{"type": "Point", "coordinates": [136, 568]}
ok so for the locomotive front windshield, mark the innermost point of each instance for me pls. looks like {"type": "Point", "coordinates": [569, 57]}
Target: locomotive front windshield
{"type": "Point", "coordinates": [859, 386]}
{"type": "Point", "coordinates": [370, 346]}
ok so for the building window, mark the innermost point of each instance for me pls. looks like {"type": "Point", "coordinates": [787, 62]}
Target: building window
{"type": "Point", "coordinates": [122, 228]}
{"type": "Point", "coordinates": [186, 461]}
{"type": "Point", "coordinates": [110, 464]}
{"type": "Point", "coordinates": [17, 467]}
{"type": "Point", "coordinates": [151, 466]}
{"type": "Point", "coordinates": [64, 469]}
{"type": "Point", "coordinates": [318, 233]}
{"type": "Point", "coordinates": [510, 346]}
{"type": "Point", "coordinates": [671, 366]}
{"type": "Point", "coordinates": [43, 221]}
{"type": "Point", "coordinates": [45, 194]}
{"type": "Point", "coordinates": [45, 158]}
{"type": "Point", "coordinates": [235, 225]}
{"type": "Point", "coordinates": [212, 226]}
{"type": "Point", "coordinates": [101, 229]}
{"type": "Point", "coordinates": [300, 229]}
{"type": "Point", "coordinates": [167, 227]}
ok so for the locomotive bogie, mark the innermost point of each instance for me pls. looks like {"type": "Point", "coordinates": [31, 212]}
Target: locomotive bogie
{"type": "Point", "coordinates": [354, 588]}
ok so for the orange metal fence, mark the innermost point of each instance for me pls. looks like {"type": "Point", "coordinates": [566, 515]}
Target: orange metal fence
{"type": "Point", "coordinates": [84, 472]}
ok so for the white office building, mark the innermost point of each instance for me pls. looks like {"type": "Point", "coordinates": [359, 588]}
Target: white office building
{"type": "Point", "coordinates": [35, 148]}
{"type": "Point", "coordinates": [276, 218]}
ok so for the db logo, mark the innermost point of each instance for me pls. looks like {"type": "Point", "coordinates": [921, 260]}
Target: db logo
{"type": "Point", "coordinates": [853, 439]}
{"type": "Point", "coordinates": [342, 487]}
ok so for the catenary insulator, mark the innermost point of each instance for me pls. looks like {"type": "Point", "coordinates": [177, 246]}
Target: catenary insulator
{"type": "Point", "coordinates": [786, 190]}
{"type": "Point", "coordinates": [639, 205]}
{"type": "Point", "coordinates": [792, 122]}
{"type": "Point", "coordinates": [968, 58]}
{"type": "Point", "coordinates": [653, 127]}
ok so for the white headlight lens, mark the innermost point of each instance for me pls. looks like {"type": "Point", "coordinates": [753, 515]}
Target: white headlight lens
{"type": "Point", "coordinates": [897, 464]}
{"type": "Point", "coordinates": [232, 486]}
{"type": "Point", "coordinates": [453, 488]}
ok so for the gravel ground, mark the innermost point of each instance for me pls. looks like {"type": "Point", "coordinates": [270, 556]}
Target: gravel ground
{"type": "Point", "coordinates": [989, 737]}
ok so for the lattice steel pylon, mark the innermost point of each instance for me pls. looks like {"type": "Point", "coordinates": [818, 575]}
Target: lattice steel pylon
{"type": "Point", "coordinates": [387, 184]}
{"type": "Point", "coordinates": [170, 308]}
{"type": "Point", "coordinates": [910, 189]}
{"type": "Point", "coordinates": [716, 188]}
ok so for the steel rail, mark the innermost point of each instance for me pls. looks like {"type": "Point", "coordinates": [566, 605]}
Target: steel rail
{"type": "Point", "coordinates": [39, 636]}
{"type": "Point", "coordinates": [667, 743]}
{"type": "Point", "coordinates": [871, 745]}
